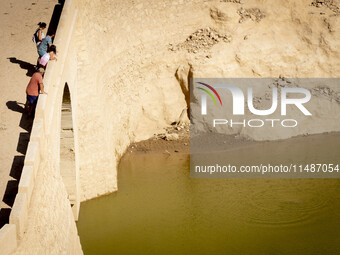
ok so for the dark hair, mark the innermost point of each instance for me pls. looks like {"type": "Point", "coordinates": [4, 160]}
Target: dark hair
{"type": "Point", "coordinates": [51, 32]}
{"type": "Point", "coordinates": [42, 24]}
{"type": "Point", "coordinates": [53, 48]}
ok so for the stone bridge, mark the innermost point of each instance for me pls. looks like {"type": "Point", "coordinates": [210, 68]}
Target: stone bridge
{"type": "Point", "coordinates": [122, 75]}
{"type": "Point", "coordinates": [80, 130]}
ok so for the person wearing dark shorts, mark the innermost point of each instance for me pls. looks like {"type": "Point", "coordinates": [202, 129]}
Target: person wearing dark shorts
{"type": "Point", "coordinates": [32, 99]}
{"type": "Point", "coordinates": [34, 86]}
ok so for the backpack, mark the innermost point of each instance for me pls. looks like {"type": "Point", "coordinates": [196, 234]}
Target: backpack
{"type": "Point", "coordinates": [35, 38]}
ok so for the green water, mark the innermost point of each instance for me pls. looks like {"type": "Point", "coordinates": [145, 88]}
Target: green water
{"type": "Point", "coordinates": [159, 209]}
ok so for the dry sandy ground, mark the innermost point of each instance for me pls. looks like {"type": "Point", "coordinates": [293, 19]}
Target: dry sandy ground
{"type": "Point", "coordinates": [18, 19]}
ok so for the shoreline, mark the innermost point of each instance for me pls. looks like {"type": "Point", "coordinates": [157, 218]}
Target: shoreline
{"type": "Point", "coordinates": [175, 139]}
{"type": "Point", "coordinates": [166, 143]}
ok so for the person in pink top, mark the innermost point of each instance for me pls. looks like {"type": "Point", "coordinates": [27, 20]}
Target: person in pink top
{"type": "Point", "coordinates": [34, 87]}
{"type": "Point", "coordinates": [49, 55]}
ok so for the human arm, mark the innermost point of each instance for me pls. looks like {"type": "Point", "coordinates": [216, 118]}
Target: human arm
{"type": "Point", "coordinates": [49, 41]}
{"type": "Point", "coordinates": [42, 88]}
{"type": "Point", "coordinates": [53, 56]}
{"type": "Point", "coordinates": [40, 35]}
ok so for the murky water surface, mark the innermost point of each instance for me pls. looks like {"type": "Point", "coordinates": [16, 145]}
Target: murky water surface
{"type": "Point", "coordinates": [159, 209]}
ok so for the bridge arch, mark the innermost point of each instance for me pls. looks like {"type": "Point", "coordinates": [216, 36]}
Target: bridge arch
{"type": "Point", "coordinates": [69, 169]}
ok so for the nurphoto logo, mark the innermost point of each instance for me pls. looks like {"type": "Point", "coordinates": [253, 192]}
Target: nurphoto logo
{"type": "Point", "coordinates": [294, 96]}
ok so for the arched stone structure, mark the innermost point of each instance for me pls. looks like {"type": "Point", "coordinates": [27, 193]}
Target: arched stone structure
{"type": "Point", "coordinates": [68, 167]}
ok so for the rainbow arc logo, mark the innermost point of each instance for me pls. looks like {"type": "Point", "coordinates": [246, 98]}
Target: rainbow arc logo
{"type": "Point", "coordinates": [209, 93]}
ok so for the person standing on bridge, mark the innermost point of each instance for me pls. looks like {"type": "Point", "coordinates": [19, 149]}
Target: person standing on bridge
{"type": "Point", "coordinates": [34, 86]}
{"type": "Point", "coordinates": [39, 35]}
{"type": "Point", "coordinates": [50, 55]}
{"type": "Point", "coordinates": [45, 45]}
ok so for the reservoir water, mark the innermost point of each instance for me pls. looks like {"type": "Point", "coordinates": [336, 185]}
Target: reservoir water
{"type": "Point", "coordinates": [159, 209]}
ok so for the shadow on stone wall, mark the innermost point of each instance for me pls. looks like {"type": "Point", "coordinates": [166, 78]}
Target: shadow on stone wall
{"type": "Point", "coordinates": [53, 25]}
